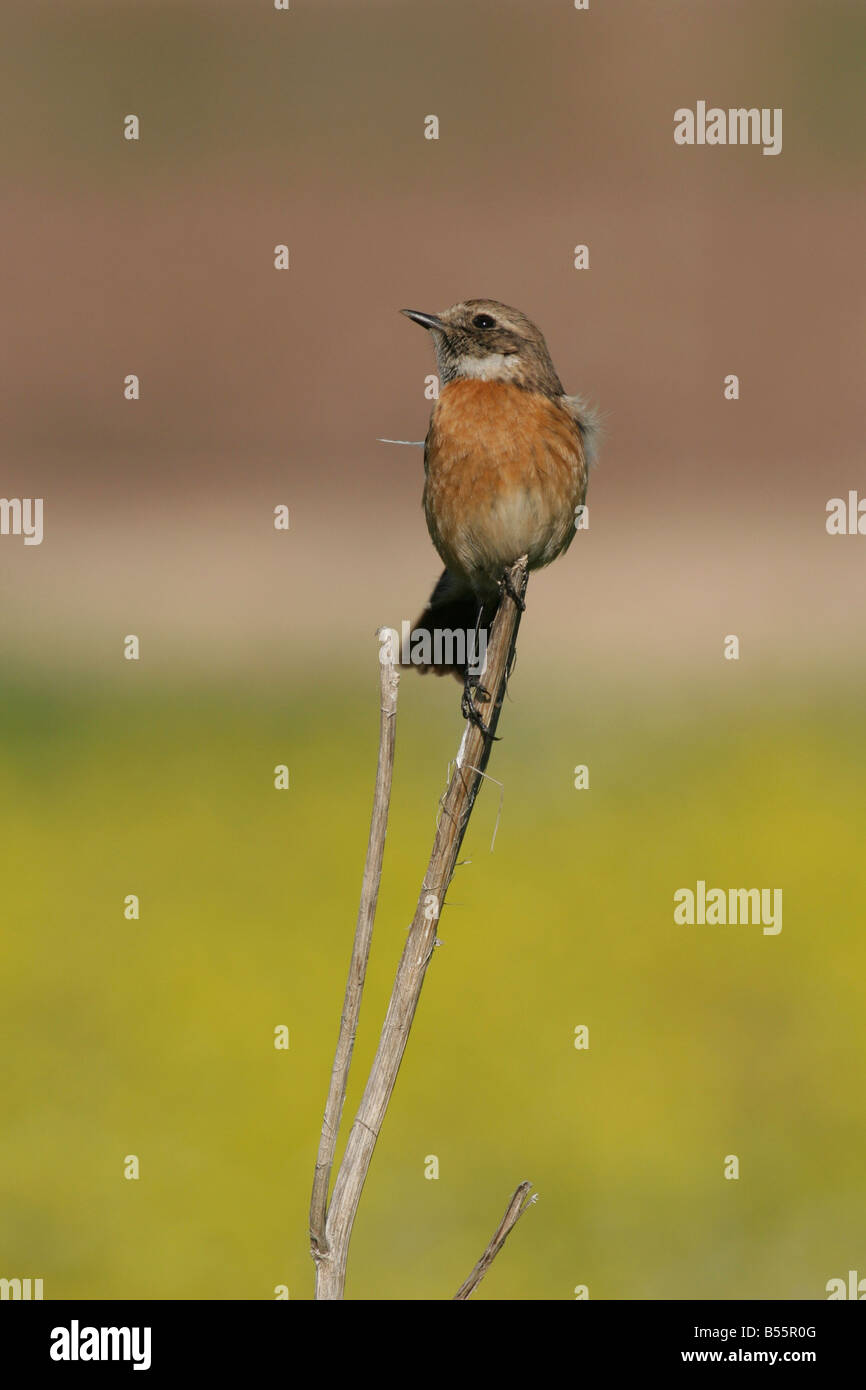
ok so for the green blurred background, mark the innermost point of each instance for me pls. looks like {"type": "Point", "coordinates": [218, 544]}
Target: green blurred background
{"type": "Point", "coordinates": [156, 778]}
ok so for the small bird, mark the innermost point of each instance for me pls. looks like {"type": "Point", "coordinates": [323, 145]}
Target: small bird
{"type": "Point", "coordinates": [505, 461]}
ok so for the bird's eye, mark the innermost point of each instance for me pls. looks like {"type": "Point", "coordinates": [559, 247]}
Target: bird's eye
{"type": "Point", "coordinates": [484, 321]}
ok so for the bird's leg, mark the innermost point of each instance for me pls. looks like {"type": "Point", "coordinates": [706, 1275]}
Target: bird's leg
{"type": "Point", "coordinates": [506, 587]}
{"type": "Point", "coordinates": [472, 675]}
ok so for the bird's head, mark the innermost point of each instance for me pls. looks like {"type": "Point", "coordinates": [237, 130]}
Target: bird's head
{"type": "Point", "coordinates": [488, 341]}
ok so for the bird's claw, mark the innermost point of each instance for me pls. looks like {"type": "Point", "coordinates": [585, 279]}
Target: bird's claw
{"type": "Point", "coordinates": [508, 588]}
{"type": "Point", "coordinates": [470, 711]}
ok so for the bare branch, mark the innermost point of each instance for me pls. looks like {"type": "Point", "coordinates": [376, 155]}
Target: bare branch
{"type": "Point", "coordinates": [520, 1202]}
{"type": "Point", "coordinates": [389, 679]}
{"type": "Point", "coordinates": [456, 809]}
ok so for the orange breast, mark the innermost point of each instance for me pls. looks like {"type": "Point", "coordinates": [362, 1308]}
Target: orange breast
{"type": "Point", "coordinates": [505, 472]}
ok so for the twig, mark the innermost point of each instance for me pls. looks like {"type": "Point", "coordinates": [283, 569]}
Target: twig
{"type": "Point", "coordinates": [389, 679]}
{"type": "Point", "coordinates": [519, 1203]}
{"type": "Point", "coordinates": [456, 809]}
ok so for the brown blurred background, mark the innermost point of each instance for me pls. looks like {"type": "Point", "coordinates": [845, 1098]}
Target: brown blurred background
{"type": "Point", "coordinates": [261, 387]}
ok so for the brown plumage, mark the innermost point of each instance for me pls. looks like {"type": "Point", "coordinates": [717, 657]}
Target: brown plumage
{"type": "Point", "coordinates": [505, 460]}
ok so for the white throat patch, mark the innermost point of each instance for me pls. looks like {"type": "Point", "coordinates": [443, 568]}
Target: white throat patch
{"type": "Point", "coordinates": [497, 366]}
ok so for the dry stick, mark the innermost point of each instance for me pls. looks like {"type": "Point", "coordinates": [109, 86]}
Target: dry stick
{"type": "Point", "coordinates": [456, 809]}
{"type": "Point", "coordinates": [389, 679]}
{"type": "Point", "coordinates": [520, 1202]}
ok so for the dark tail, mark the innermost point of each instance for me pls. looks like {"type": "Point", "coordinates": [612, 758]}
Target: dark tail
{"type": "Point", "coordinates": [451, 633]}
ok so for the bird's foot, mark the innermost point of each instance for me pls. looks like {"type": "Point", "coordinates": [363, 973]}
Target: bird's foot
{"type": "Point", "coordinates": [472, 690]}
{"type": "Point", "coordinates": [506, 587]}
{"type": "Point", "coordinates": [473, 686]}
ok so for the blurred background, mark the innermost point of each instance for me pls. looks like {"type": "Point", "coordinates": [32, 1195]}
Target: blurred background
{"type": "Point", "coordinates": [707, 518]}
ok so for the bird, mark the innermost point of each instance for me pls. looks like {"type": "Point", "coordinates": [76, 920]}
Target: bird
{"type": "Point", "coordinates": [506, 463]}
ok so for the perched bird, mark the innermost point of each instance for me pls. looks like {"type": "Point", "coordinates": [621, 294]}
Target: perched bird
{"type": "Point", "coordinates": [505, 462]}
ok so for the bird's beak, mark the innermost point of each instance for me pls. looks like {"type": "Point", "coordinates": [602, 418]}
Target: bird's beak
{"type": "Point", "coordinates": [425, 320]}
